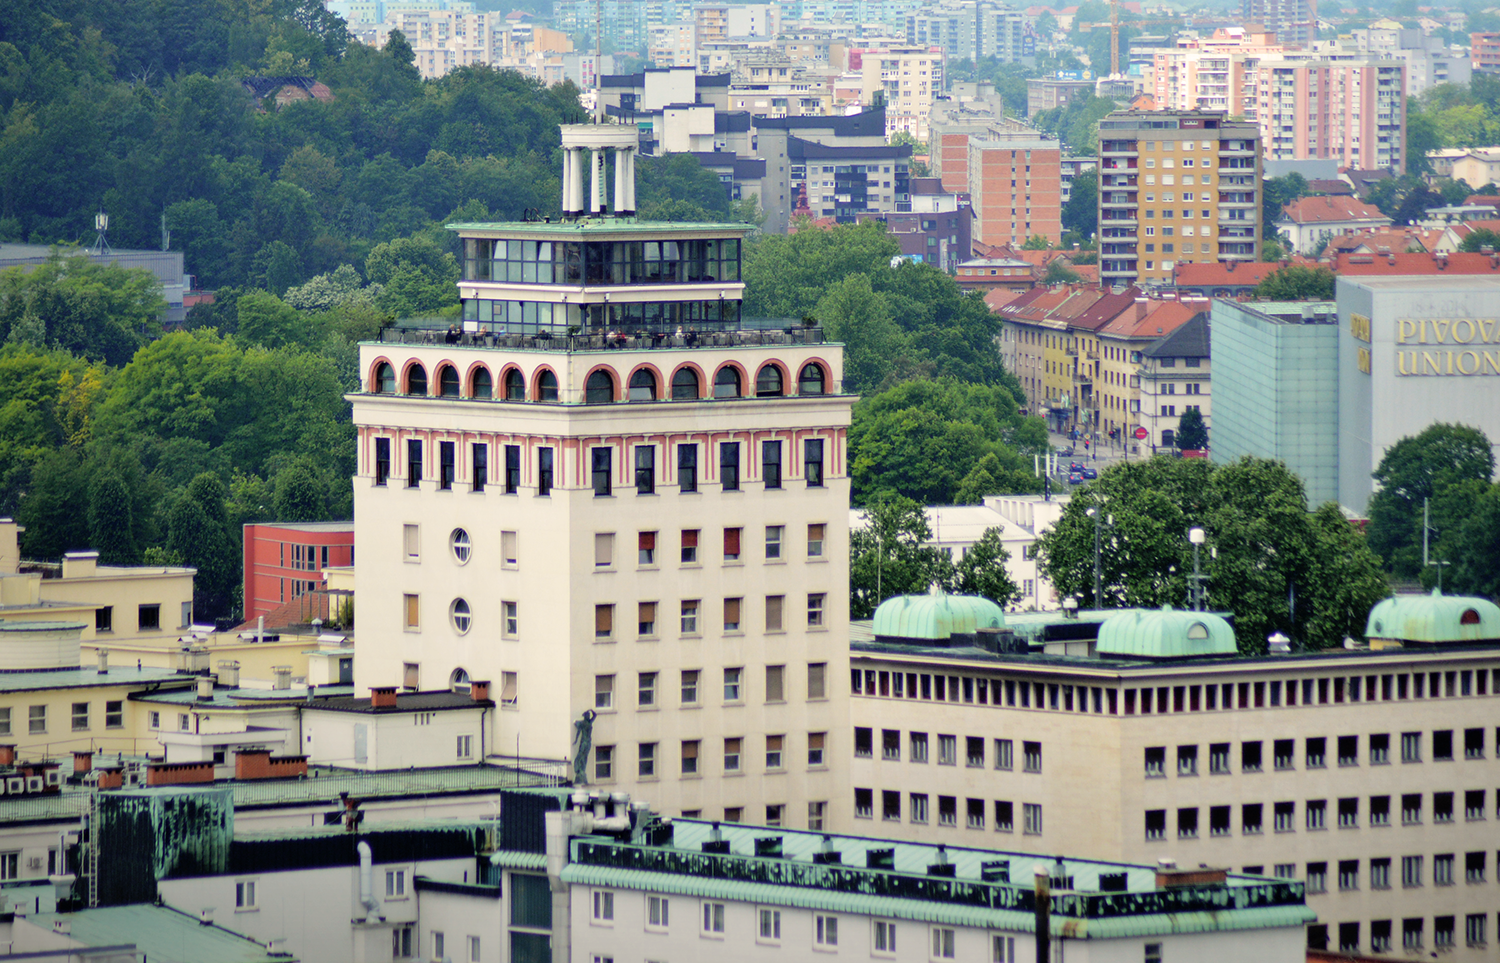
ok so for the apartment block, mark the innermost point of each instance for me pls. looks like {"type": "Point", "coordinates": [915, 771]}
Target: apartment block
{"type": "Point", "coordinates": [287, 560]}
{"type": "Point", "coordinates": [1366, 774]}
{"type": "Point", "coordinates": [1015, 186]}
{"type": "Point", "coordinates": [969, 30]}
{"type": "Point", "coordinates": [909, 78]}
{"type": "Point", "coordinates": [1485, 51]}
{"type": "Point", "coordinates": [1176, 187]}
{"type": "Point", "coordinates": [1351, 111]}
{"type": "Point", "coordinates": [1175, 377]}
{"type": "Point", "coordinates": [1294, 21]}
{"type": "Point", "coordinates": [1217, 72]}
{"type": "Point", "coordinates": [616, 503]}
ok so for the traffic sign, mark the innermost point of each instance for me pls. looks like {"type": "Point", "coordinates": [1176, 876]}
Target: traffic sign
{"type": "Point", "coordinates": [1142, 434]}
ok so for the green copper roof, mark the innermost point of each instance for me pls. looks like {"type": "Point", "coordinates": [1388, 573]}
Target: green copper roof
{"type": "Point", "coordinates": [1166, 633]}
{"type": "Point", "coordinates": [936, 616]}
{"type": "Point", "coordinates": [160, 934]}
{"type": "Point", "coordinates": [1434, 618]}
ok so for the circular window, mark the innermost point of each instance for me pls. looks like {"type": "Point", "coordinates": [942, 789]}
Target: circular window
{"type": "Point", "coordinates": [459, 542]}
{"type": "Point", "coordinates": [458, 614]}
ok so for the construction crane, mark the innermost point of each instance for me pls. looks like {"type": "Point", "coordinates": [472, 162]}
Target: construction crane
{"type": "Point", "coordinates": [1114, 31]}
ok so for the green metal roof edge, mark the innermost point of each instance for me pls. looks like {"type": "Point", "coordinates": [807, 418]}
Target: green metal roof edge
{"type": "Point", "coordinates": [515, 859]}
{"type": "Point", "coordinates": [923, 911]}
{"type": "Point", "coordinates": [596, 226]}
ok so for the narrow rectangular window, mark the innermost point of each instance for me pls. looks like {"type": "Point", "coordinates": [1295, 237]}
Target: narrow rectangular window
{"type": "Point", "coordinates": [411, 542]}
{"type": "Point", "coordinates": [689, 546]}
{"type": "Point", "coordinates": [646, 548]}
{"type": "Point", "coordinates": [773, 612]}
{"type": "Point", "coordinates": [645, 618]}
{"type": "Point", "coordinates": [412, 611]}
{"type": "Point", "coordinates": [817, 684]}
{"type": "Point", "coordinates": [815, 603]}
{"type": "Point", "coordinates": [604, 549]}
{"type": "Point", "coordinates": [815, 541]}
{"type": "Point", "coordinates": [480, 464]}
{"type": "Point", "coordinates": [773, 542]}
{"type": "Point", "coordinates": [731, 544]}
{"type": "Point", "coordinates": [513, 469]}
{"type": "Point", "coordinates": [544, 471]}
{"type": "Point", "coordinates": [729, 466]}
{"type": "Point", "coordinates": [770, 463]}
{"type": "Point", "coordinates": [382, 460]}
{"type": "Point", "coordinates": [413, 463]}
{"type": "Point", "coordinates": [690, 617]}
{"type": "Point", "coordinates": [604, 621]}
{"type": "Point", "coordinates": [812, 462]}
{"type": "Point", "coordinates": [447, 464]}
{"type": "Point", "coordinates": [775, 683]}
{"type": "Point", "coordinates": [731, 615]}
{"type": "Point", "coordinates": [645, 469]}
{"type": "Point", "coordinates": [603, 467]}
{"type": "Point", "coordinates": [687, 468]}
{"type": "Point", "coordinates": [509, 550]}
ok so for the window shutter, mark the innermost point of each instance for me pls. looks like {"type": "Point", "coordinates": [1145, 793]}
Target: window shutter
{"type": "Point", "coordinates": [604, 549]}
{"type": "Point", "coordinates": [604, 618]}
{"type": "Point", "coordinates": [731, 541]}
{"type": "Point", "coordinates": [690, 538]}
{"type": "Point", "coordinates": [647, 612]}
{"type": "Point", "coordinates": [647, 541]}
{"type": "Point", "coordinates": [732, 611]}
{"type": "Point", "coordinates": [773, 612]}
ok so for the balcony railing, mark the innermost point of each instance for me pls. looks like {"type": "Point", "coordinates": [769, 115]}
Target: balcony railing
{"type": "Point", "coordinates": [740, 337]}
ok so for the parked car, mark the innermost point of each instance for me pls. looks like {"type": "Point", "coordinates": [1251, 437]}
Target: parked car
{"type": "Point", "coordinates": [1075, 478]}
{"type": "Point", "coordinates": [1090, 473]}
{"type": "Point", "coordinates": [1075, 466]}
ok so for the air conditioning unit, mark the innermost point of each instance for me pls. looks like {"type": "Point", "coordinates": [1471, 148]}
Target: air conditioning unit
{"type": "Point", "coordinates": [54, 777]}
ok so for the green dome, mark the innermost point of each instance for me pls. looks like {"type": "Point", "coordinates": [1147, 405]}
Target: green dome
{"type": "Point", "coordinates": [1165, 633]}
{"type": "Point", "coordinates": [936, 617]}
{"type": "Point", "coordinates": [1434, 618]}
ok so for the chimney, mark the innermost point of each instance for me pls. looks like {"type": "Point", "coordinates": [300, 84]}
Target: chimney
{"type": "Point", "coordinates": [205, 688]}
{"type": "Point", "coordinates": [283, 676]}
{"type": "Point", "coordinates": [206, 916]}
{"type": "Point", "coordinates": [80, 564]}
{"type": "Point", "coordinates": [83, 761]}
{"type": "Point", "coordinates": [7, 755]}
{"type": "Point", "coordinates": [62, 927]}
{"type": "Point", "coordinates": [383, 697]}
{"type": "Point", "coordinates": [229, 674]}
{"type": "Point", "coordinates": [479, 691]}
{"type": "Point", "coordinates": [104, 662]}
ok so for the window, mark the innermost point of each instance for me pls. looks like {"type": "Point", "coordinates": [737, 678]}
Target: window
{"type": "Point", "coordinates": [382, 461]}
{"type": "Point", "coordinates": [1474, 928]}
{"type": "Point", "coordinates": [1348, 813]}
{"type": "Point", "coordinates": [727, 383]}
{"type": "Point", "coordinates": [773, 541]}
{"type": "Point", "coordinates": [1348, 874]}
{"type": "Point", "coordinates": [645, 624]}
{"type": "Point", "coordinates": [1442, 807]}
{"type": "Point", "coordinates": [80, 716]}
{"type": "Point", "coordinates": [1187, 823]}
{"type": "Point", "coordinates": [645, 690]}
{"type": "Point", "coordinates": [1380, 874]}
{"type": "Point", "coordinates": [1411, 934]}
{"type": "Point", "coordinates": [690, 679]}
{"type": "Point", "coordinates": [458, 544]}
{"type": "Point", "coordinates": [104, 618]}
{"type": "Point", "coordinates": [690, 617]}
{"type": "Point", "coordinates": [447, 459]}
{"type": "Point", "coordinates": [943, 942]}
{"type": "Point", "coordinates": [1187, 760]}
{"type": "Point", "coordinates": [1032, 756]}
{"type": "Point", "coordinates": [815, 745]}
{"type": "Point", "coordinates": [816, 811]}
{"type": "Point", "coordinates": [642, 386]}
{"type": "Point", "coordinates": [459, 616]}
{"type": "Point", "coordinates": [114, 716]}
{"type": "Point", "coordinates": [1316, 813]}
{"type": "Point", "coordinates": [511, 623]}
{"type": "Point", "coordinates": [1003, 754]}
{"type": "Point", "coordinates": [918, 747]}
{"type": "Point", "coordinates": [732, 678]}
{"type": "Point", "coordinates": [244, 894]}
{"type": "Point", "coordinates": [1156, 824]}
{"type": "Point", "coordinates": [1317, 877]}
{"type": "Point", "coordinates": [148, 617]}
{"type": "Point", "coordinates": [401, 941]}
{"type": "Point", "coordinates": [509, 689]}
{"type": "Point", "coordinates": [815, 602]}
{"type": "Point", "coordinates": [973, 751]}
{"type": "Point", "coordinates": [1003, 949]}
{"type": "Point", "coordinates": [465, 747]}
{"type": "Point", "coordinates": [544, 471]}
{"type": "Point", "coordinates": [1442, 932]}
{"type": "Point", "coordinates": [1282, 753]}
{"type": "Point", "coordinates": [768, 382]}
{"type": "Point", "coordinates": [1218, 758]}
{"type": "Point", "coordinates": [1250, 757]}
{"type": "Point", "coordinates": [599, 389]}
{"type": "Point", "coordinates": [1473, 743]}
{"type": "Point", "coordinates": [769, 924]}
{"type": "Point", "coordinates": [817, 676]}
{"type": "Point", "coordinates": [1285, 814]}
{"type": "Point", "coordinates": [825, 930]}
{"type": "Point", "coordinates": [885, 937]}
{"type": "Point", "coordinates": [864, 742]}
{"type": "Point", "coordinates": [731, 544]}
{"type": "Point", "coordinates": [1411, 746]}
{"type": "Point", "coordinates": [687, 469]}
{"type": "Point", "coordinates": [1380, 810]}
{"type": "Point", "coordinates": [689, 546]}
{"type": "Point", "coordinates": [657, 912]}
{"type": "Point", "coordinates": [812, 462]}
{"type": "Point", "coordinates": [773, 751]}
{"type": "Point", "coordinates": [1442, 870]}
{"type": "Point", "coordinates": [604, 763]}
{"type": "Point", "coordinates": [1032, 815]}
{"type": "Point", "coordinates": [1156, 761]}
{"type": "Point", "coordinates": [604, 692]}
{"type": "Point", "coordinates": [602, 461]}
{"type": "Point", "coordinates": [947, 750]}
{"type": "Point", "coordinates": [604, 621]}
{"type": "Point", "coordinates": [604, 906]}
{"type": "Point", "coordinates": [645, 469]}
{"type": "Point", "coordinates": [770, 463]}
{"type": "Point", "coordinates": [731, 615]}
{"type": "Point", "coordinates": [646, 760]}
{"type": "Point", "coordinates": [774, 604]}
{"type": "Point", "coordinates": [1380, 936]}
{"type": "Point", "coordinates": [729, 466]}
{"type": "Point", "coordinates": [815, 541]}
{"type": "Point", "coordinates": [1380, 749]}
{"type": "Point", "coordinates": [1411, 809]}
{"type": "Point", "coordinates": [864, 804]}
{"type": "Point", "coordinates": [1474, 805]}
{"type": "Point", "coordinates": [395, 884]}
{"type": "Point", "coordinates": [1411, 871]}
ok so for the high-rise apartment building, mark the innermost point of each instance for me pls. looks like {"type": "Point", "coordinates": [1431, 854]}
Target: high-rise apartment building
{"type": "Point", "coordinates": [1176, 187]}
{"type": "Point", "coordinates": [1351, 111]}
{"type": "Point", "coordinates": [1294, 21]}
{"type": "Point", "coordinates": [909, 78]}
{"type": "Point", "coordinates": [1014, 185]}
{"type": "Point", "coordinates": [620, 505]}
{"type": "Point", "coordinates": [968, 30]}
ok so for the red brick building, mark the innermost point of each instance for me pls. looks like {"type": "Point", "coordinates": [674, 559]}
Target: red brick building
{"type": "Point", "coordinates": [285, 560]}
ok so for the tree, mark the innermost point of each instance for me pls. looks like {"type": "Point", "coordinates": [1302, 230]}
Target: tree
{"type": "Point", "coordinates": [889, 556]}
{"type": "Point", "coordinates": [1192, 434]}
{"type": "Point", "coordinates": [198, 532]}
{"type": "Point", "coordinates": [853, 313]}
{"type": "Point", "coordinates": [1277, 193]}
{"type": "Point", "coordinates": [1480, 237]}
{"type": "Point", "coordinates": [299, 494]}
{"type": "Point", "coordinates": [266, 321]}
{"type": "Point", "coordinates": [1036, 243]}
{"type": "Point", "coordinates": [1059, 272]}
{"type": "Point", "coordinates": [1423, 469]}
{"type": "Point", "coordinates": [418, 277]}
{"type": "Point", "coordinates": [1296, 282]}
{"type": "Point", "coordinates": [1273, 251]}
{"type": "Point", "coordinates": [1080, 215]}
{"type": "Point", "coordinates": [982, 571]}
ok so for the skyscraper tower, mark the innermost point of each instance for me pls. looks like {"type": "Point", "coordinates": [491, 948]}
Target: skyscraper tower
{"type": "Point", "coordinates": [619, 503]}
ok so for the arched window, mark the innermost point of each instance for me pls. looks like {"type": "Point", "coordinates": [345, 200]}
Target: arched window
{"type": "Point", "coordinates": [1470, 617]}
{"type": "Point", "coordinates": [515, 385]}
{"type": "Point", "coordinates": [810, 381]}
{"type": "Point", "coordinates": [448, 381]}
{"type": "Point", "coordinates": [727, 383]}
{"type": "Point", "coordinates": [546, 386]}
{"type": "Point", "coordinates": [600, 389]}
{"type": "Point", "coordinates": [459, 680]}
{"type": "Point", "coordinates": [768, 382]}
{"type": "Point", "coordinates": [685, 385]}
{"type": "Point", "coordinates": [458, 614]}
{"type": "Point", "coordinates": [480, 385]}
{"type": "Point", "coordinates": [643, 386]}
{"type": "Point", "coordinates": [1168, 437]}
{"type": "Point", "coordinates": [1197, 631]}
{"type": "Point", "coordinates": [385, 378]}
{"type": "Point", "coordinates": [416, 380]}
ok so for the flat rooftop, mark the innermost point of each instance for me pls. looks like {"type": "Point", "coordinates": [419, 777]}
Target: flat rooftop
{"type": "Point", "coordinates": [600, 226]}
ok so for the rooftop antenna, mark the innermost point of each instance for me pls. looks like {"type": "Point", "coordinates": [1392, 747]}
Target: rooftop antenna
{"type": "Point", "coordinates": [101, 230]}
{"type": "Point", "coordinates": [1426, 531]}
{"type": "Point", "coordinates": [598, 61]}
{"type": "Point", "coordinates": [166, 235]}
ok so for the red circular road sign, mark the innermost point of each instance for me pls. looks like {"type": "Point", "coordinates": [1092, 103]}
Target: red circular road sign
{"type": "Point", "coordinates": [1142, 434]}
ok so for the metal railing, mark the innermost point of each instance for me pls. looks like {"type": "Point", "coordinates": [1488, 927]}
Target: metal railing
{"type": "Point", "coordinates": [740, 337]}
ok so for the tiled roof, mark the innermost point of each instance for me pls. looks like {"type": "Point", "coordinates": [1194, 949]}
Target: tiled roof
{"type": "Point", "coordinates": [1316, 210]}
{"type": "Point", "coordinates": [1402, 265]}
{"type": "Point", "coordinates": [1157, 319]}
{"type": "Point", "coordinates": [1191, 340]}
{"type": "Point", "coordinates": [1231, 274]}
{"type": "Point", "coordinates": [405, 702]}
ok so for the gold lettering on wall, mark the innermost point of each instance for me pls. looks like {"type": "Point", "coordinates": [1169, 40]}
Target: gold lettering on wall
{"type": "Point", "coordinates": [1442, 363]}
{"type": "Point", "coordinates": [1364, 360]}
{"type": "Point", "coordinates": [1359, 327]}
{"type": "Point", "coordinates": [1435, 330]}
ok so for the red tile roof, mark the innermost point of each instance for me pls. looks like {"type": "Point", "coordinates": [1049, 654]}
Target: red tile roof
{"type": "Point", "coordinates": [1399, 265]}
{"type": "Point", "coordinates": [1153, 319]}
{"type": "Point", "coordinates": [1315, 210]}
{"type": "Point", "coordinates": [1231, 274]}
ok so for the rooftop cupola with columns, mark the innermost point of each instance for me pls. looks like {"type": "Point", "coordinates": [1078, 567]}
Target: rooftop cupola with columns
{"type": "Point", "coordinates": [586, 150]}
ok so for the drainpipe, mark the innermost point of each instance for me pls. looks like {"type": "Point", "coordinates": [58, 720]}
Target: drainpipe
{"type": "Point", "coordinates": [1043, 913]}
{"type": "Point", "coordinates": [367, 879]}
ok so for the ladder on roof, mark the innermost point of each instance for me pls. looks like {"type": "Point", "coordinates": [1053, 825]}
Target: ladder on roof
{"type": "Point", "coordinates": [92, 851]}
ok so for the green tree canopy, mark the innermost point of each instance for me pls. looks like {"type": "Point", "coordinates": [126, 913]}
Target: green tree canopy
{"type": "Point", "coordinates": [1446, 466]}
{"type": "Point", "coordinates": [889, 555]}
{"type": "Point", "coordinates": [1296, 282]}
{"type": "Point", "coordinates": [1192, 433]}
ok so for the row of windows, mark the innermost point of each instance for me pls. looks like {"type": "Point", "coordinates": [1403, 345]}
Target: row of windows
{"type": "Point", "coordinates": [1315, 752]}
{"type": "Point", "coordinates": [975, 812]}
{"type": "Point", "coordinates": [689, 542]}
{"type": "Point", "coordinates": [1413, 934]}
{"type": "Point", "coordinates": [1328, 690]}
{"type": "Point", "coordinates": [690, 611]}
{"type": "Point", "coordinates": [602, 386]}
{"type": "Point", "coordinates": [80, 717]}
{"type": "Point", "coordinates": [713, 922]}
{"type": "Point", "coordinates": [601, 466]}
{"type": "Point", "coordinates": [650, 687]}
{"type": "Point", "coordinates": [1317, 814]}
{"type": "Point", "coordinates": [147, 617]}
{"type": "Point", "coordinates": [650, 761]}
{"type": "Point", "coordinates": [685, 261]}
{"type": "Point", "coordinates": [1377, 873]}
{"type": "Point", "coordinates": [1003, 754]}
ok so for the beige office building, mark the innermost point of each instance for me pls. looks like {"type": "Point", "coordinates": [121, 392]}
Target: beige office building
{"type": "Point", "coordinates": [1370, 774]}
{"type": "Point", "coordinates": [620, 506]}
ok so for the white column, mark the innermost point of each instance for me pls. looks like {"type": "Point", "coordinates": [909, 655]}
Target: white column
{"type": "Point", "coordinates": [567, 181]}
{"type": "Point", "coordinates": [628, 156]}
{"type": "Point", "coordinates": [575, 197]}
{"type": "Point", "coordinates": [622, 188]}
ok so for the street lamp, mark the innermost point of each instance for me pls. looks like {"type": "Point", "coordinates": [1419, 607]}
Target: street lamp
{"type": "Point", "coordinates": [1098, 518]}
{"type": "Point", "coordinates": [1197, 536]}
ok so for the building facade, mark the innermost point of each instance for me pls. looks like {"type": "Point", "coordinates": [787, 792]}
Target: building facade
{"type": "Point", "coordinates": [1176, 377]}
{"type": "Point", "coordinates": [286, 560]}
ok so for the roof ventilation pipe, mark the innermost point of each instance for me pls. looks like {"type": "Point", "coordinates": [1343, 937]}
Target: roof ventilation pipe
{"type": "Point", "coordinates": [367, 879]}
